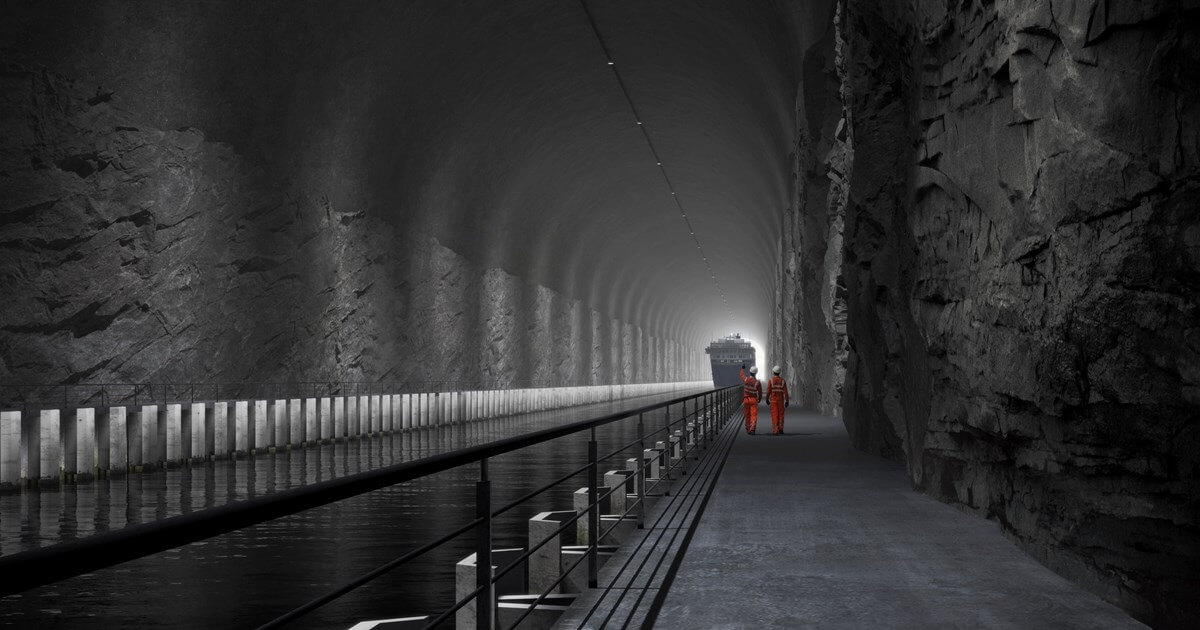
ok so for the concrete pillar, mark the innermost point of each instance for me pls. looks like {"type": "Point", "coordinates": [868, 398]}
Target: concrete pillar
{"type": "Point", "coordinates": [174, 425]}
{"type": "Point", "coordinates": [618, 479]}
{"type": "Point", "coordinates": [68, 443]}
{"type": "Point", "coordinates": [244, 430]}
{"type": "Point", "coordinates": [222, 435]}
{"type": "Point", "coordinates": [185, 431]}
{"type": "Point", "coordinates": [148, 433]}
{"type": "Point", "coordinates": [31, 448]}
{"type": "Point", "coordinates": [312, 431]}
{"type": "Point", "coordinates": [325, 418]}
{"type": "Point", "coordinates": [545, 564]}
{"type": "Point", "coordinates": [581, 502]}
{"type": "Point", "coordinates": [160, 440]}
{"type": "Point", "coordinates": [202, 432]}
{"type": "Point", "coordinates": [51, 450]}
{"type": "Point", "coordinates": [296, 422]}
{"type": "Point", "coordinates": [426, 407]}
{"type": "Point", "coordinates": [364, 415]}
{"type": "Point", "coordinates": [280, 435]}
{"type": "Point", "coordinates": [339, 417]}
{"type": "Point", "coordinates": [376, 416]}
{"type": "Point", "coordinates": [85, 441]}
{"type": "Point", "coordinates": [352, 416]}
{"type": "Point", "coordinates": [10, 446]}
{"type": "Point", "coordinates": [385, 421]}
{"type": "Point", "coordinates": [118, 439]}
{"type": "Point", "coordinates": [264, 430]}
{"type": "Point", "coordinates": [405, 412]}
{"type": "Point", "coordinates": [133, 437]}
{"type": "Point", "coordinates": [102, 442]}
{"type": "Point", "coordinates": [512, 583]}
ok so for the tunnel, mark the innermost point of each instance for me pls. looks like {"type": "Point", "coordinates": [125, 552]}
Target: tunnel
{"type": "Point", "coordinates": [963, 230]}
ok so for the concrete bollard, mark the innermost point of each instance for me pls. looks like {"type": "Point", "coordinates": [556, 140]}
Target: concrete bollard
{"type": "Point", "coordinates": [618, 479]}
{"type": "Point", "coordinates": [103, 448]}
{"type": "Point", "coordinates": [85, 442]}
{"type": "Point", "coordinates": [148, 433]}
{"type": "Point", "coordinates": [10, 446]}
{"type": "Point", "coordinates": [341, 412]}
{"type": "Point", "coordinates": [51, 447]}
{"type": "Point", "coordinates": [31, 448]}
{"type": "Point", "coordinates": [312, 432]}
{"type": "Point", "coordinates": [652, 463]}
{"type": "Point", "coordinates": [405, 412]}
{"type": "Point", "coordinates": [512, 583]}
{"type": "Point", "coordinates": [222, 430]}
{"type": "Point", "coordinates": [244, 430]}
{"type": "Point", "coordinates": [69, 444]}
{"type": "Point", "coordinates": [133, 439]}
{"type": "Point", "coordinates": [118, 439]}
{"type": "Point", "coordinates": [364, 416]}
{"type": "Point", "coordinates": [423, 414]}
{"type": "Point", "coordinates": [351, 417]}
{"type": "Point", "coordinates": [580, 503]}
{"type": "Point", "coordinates": [385, 420]}
{"type": "Point", "coordinates": [174, 426]}
{"type": "Point", "coordinates": [279, 424]}
{"type": "Point", "coordinates": [326, 421]}
{"type": "Point", "coordinates": [295, 423]}
{"type": "Point", "coordinates": [545, 563]}
{"type": "Point", "coordinates": [264, 429]}
{"type": "Point", "coordinates": [200, 432]}
{"type": "Point", "coordinates": [376, 415]}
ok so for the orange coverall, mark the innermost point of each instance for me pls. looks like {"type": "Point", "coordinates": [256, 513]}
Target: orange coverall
{"type": "Point", "coordinates": [778, 397]}
{"type": "Point", "coordinates": [751, 394]}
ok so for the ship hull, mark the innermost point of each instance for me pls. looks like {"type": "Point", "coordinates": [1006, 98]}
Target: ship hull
{"type": "Point", "coordinates": [726, 375]}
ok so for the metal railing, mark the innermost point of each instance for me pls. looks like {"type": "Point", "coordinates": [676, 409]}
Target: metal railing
{"type": "Point", "coordinates": [29, 569]}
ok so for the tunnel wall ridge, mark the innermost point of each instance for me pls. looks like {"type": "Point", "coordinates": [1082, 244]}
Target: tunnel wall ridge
{"type": "Point", "coordinates": [1021, 267]}
{"type": "Point", "coordinates": [130, 253]}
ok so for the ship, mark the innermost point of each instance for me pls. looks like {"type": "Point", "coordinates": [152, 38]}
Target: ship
{"type": "Point", "coordinates": [728, 355]}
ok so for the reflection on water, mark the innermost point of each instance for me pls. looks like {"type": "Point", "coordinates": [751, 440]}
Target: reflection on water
{"type": "Point", "coordinates": [247, 577]}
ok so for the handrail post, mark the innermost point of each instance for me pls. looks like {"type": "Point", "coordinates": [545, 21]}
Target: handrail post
{"type": "Point", "coordinates": [593, 514]}
{"type": "Point", "coordinates": [641, 474]}
{"type": "Point", "coordinates": [483, 550]}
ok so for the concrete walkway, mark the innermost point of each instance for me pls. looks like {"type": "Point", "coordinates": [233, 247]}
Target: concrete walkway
{"type": "Point", "coordinates": [804, 531]}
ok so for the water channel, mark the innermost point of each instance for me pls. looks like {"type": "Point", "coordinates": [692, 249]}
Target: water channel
{"type": "Point", "coordinates": [247, 577]}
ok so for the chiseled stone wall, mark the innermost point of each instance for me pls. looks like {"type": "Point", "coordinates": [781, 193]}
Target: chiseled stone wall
{"type": "Point", "coordinates": [1022, 257]}
{"type": "Point", "coordinates": [808, 328]}
{"type": "Point", "coordinates": [135, 254]}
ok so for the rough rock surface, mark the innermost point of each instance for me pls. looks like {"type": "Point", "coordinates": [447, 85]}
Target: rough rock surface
{"type": "Point", "coordinates": [1022, 263]}
{"type": "Point", "coordinates": [135, 254]}
{"type": "Point", "coordinates": [808, 330]}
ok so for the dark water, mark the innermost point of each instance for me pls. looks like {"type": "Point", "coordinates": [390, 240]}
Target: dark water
{"type": "Point", "coordinates": [248, 577]}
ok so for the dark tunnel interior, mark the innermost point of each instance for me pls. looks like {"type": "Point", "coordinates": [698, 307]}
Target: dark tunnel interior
{"type": "Point", "coordinates": [967, 228]}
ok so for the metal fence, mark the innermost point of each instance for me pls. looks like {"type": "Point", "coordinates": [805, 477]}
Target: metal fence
{"type": "Point", "coordinates": [702, 415]}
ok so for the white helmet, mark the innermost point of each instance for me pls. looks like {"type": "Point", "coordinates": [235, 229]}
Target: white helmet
{"type": "Point", "coordinates": [775, 369]}
{"type": "Point", "coordinates": [754, 369]}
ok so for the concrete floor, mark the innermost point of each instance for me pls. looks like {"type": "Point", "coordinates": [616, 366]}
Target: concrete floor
{"type": "Point", "coordinates": [804, 531]}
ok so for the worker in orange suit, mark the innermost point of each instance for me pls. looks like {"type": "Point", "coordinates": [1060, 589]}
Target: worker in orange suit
{"type": "Point", "coordinates": [751, 394]}
{"type": "Point", "coordinates": [779, 399]}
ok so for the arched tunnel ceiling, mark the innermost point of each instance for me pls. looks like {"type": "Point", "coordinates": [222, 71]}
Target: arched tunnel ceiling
{"type": "Point", "coordinates": [498, 128]}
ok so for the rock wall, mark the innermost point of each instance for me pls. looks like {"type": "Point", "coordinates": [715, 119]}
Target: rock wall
{"type": "Point", "coordinates": [135, 254]}
{"type": "Point", "coordinates": [808, 330]}
{"type": "Point", "coordinates": [1022, 255]}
